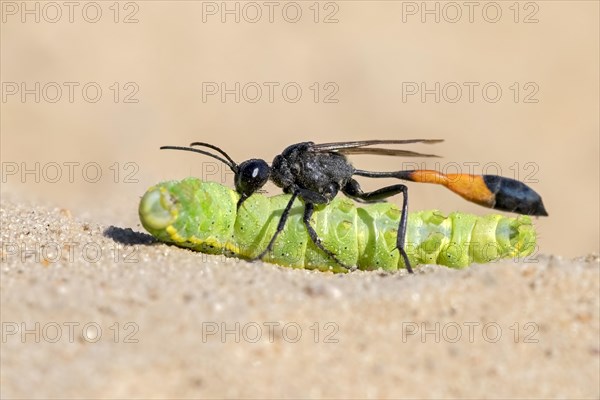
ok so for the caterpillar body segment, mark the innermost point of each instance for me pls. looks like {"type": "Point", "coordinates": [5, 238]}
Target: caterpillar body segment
{"type": "Point", "coordinates": [202, 216]}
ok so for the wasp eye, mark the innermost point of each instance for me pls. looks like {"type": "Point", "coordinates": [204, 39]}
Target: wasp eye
{"type": "Point", "coordinates": [251, 176]}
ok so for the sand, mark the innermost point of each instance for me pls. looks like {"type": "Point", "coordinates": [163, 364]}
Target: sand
{"type": "Point", "coordinates": [74, 164]}
{"type": "Point", "coordinates": [95, 311]}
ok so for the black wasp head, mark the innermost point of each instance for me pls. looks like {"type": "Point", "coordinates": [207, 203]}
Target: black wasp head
{"type": "Point", "coordinates": [250, 176]}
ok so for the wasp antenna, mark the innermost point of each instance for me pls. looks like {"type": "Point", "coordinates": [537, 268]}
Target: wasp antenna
{"type": "Point", "coordinates": [229, 162]}
{"type": "Point", "coordinates": [212, 146]}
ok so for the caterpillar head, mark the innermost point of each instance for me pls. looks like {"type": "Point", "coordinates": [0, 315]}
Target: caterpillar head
{"type": "Point", "coordinates": [250, 176]}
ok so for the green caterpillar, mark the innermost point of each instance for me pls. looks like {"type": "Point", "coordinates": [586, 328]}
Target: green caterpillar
{"type": "Point", "coordinates": [202, 216]}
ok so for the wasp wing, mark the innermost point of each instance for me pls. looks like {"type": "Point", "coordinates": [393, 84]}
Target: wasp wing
{"type": "Point", "coordinates": [361, 147]}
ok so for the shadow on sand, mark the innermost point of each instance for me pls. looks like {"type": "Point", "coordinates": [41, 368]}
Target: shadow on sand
{"type": "Point", "coordinates": [128, 236]}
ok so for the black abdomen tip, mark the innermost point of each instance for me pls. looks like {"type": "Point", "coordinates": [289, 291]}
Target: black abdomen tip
{"type": "Point", "coordinates": [514, 196]}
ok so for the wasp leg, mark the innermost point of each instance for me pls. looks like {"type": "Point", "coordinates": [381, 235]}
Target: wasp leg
{"type": "Point", "coordinates": [280, 226]}
{"type": "Point", "coordinates": [353, 190]}
{"type": "Point", "coordinates": [309, 208]}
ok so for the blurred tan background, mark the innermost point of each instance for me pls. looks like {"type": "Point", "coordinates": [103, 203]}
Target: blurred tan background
{"type": "Point", "coordinates": [357, 64]}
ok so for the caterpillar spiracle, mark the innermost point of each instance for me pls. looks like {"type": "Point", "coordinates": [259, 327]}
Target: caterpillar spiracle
{"type": "Point", "coordinates": [202, 216]}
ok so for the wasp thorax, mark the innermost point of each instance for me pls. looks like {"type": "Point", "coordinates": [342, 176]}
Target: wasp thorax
{"type": "Point", "coordinates": [251, 176]}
